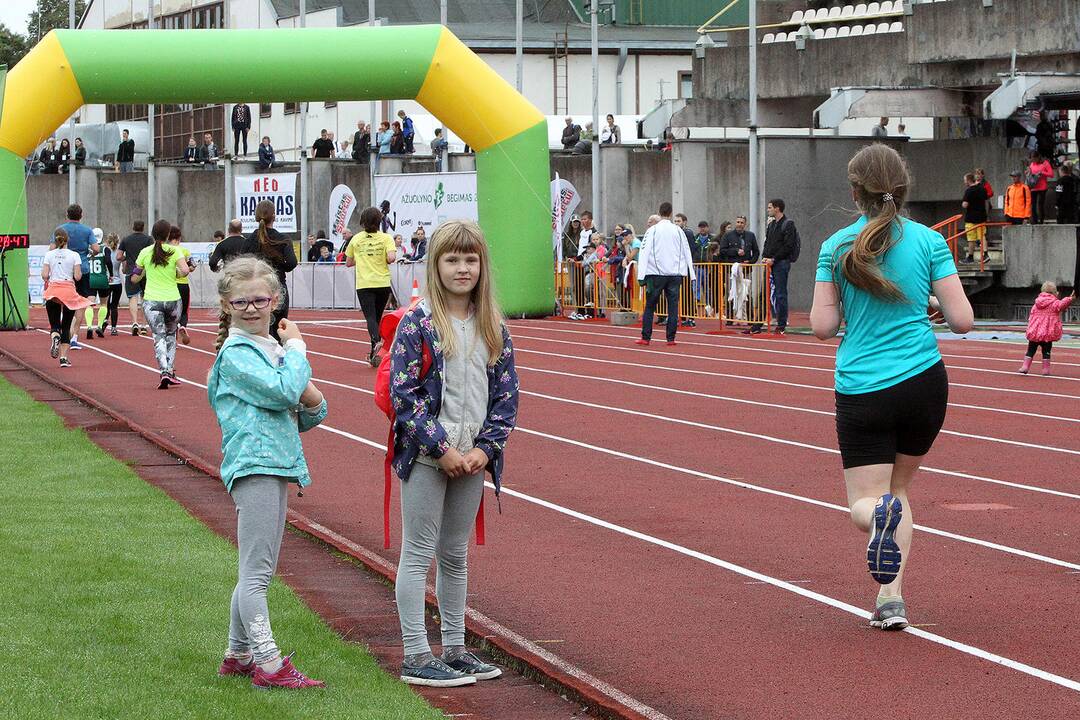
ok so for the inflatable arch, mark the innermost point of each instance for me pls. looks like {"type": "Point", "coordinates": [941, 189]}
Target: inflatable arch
{"type": "Point", "coordinates": [71, 68]}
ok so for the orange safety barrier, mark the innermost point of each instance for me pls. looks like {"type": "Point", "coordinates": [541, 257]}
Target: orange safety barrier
{"type": "Point", "coordinates": [956, 237]}
{"type": "Point", "coordinates": [737, 293]}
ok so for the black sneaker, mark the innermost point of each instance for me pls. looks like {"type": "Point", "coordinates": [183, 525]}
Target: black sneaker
{"type": "Point", "coordinates": [171, 378]}
{"type": "Point", "coordinates": [435, 673]}
{"type": "Point", "coordinates": [755, 330]}
{"type": "Point", "coordinates": [54, 349]}
{"type": "Point", "coordinates": [469, 664]}
{"type": "Point", "coordinates": [135, 329]}
{"type": "Point", "coordinates": [113, 331]}
{"type": "Point", "coordinates": [968, 260]}
{"type": "Point", "coordinates": [89, 334]}
{"type": "Point", "coordinates": [64, 363]}
{"type": "Point", "coordinates": [100, 331]}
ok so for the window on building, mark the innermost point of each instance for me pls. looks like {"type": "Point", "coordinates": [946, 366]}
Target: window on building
{"type": "Point", "coordinates": [686, 84]}
{"type": "Point", "coordinates": [265, 110]}
{"type": "Point", "coordinates": [209, 17]}
{"type": "Point", "coordinates": [292, 108]}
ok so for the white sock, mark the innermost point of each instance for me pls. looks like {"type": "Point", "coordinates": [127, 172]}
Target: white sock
{"type": "Point", "coordinates": [272, 666]}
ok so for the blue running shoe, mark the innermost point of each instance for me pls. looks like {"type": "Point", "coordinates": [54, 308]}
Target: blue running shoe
{"type": "Point", "coordinates": [435, 673]}
{"type": "Point", "coordinates": [882, 553]}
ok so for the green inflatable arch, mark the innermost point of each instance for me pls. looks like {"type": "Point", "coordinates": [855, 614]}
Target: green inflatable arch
{"type": "Point", "coordinates": [71, 68]}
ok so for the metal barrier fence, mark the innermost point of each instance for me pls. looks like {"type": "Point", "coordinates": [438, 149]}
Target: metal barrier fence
{"type": "Point", "coordinates": [736, 293]}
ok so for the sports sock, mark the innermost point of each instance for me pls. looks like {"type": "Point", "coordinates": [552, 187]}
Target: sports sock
{"type": "Point", "coordinates": [885, 599]}
{"type": "Point", "coordinates": [452, 651]}
{"type": "Point", "coordinates": [419, 659]}
{"type": "Point", "coordinates": [101, 313]}
{"type": "Point", "coordinates": [271, 666]}
{"type": "Point", "coordinates": [243, 656]}
{"type": "Point", "coordinates": [89, 316]}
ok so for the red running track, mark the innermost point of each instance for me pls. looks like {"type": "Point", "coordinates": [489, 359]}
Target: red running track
{"type": "Point", "coordinates": [675, 533]}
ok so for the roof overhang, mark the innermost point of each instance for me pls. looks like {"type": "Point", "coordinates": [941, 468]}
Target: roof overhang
{"type": "Point", "coordinates": [861, 102]}
{"type": "Point", "coordinates": [1026, 90]}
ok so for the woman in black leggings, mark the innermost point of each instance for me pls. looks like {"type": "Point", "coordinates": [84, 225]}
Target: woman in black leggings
{"type": "Point", "coordinates": [116, 284]}
{"type": "Point", "coordinates": [371, 252]}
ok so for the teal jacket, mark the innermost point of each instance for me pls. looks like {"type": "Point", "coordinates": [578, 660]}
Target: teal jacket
{"type": "Point", "coordinates": [257, 407]}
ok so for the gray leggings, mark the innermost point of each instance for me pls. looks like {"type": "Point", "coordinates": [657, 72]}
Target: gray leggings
{"type": "Point", "coordinates": [163, 317]}
{"type": "Point", "coordinates": [261, 502]}
{"type": "Point", "coordinates": [437, 515]}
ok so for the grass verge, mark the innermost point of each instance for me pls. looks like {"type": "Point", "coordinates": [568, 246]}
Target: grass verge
{"type": "Point", "coordinates": [115, 600]}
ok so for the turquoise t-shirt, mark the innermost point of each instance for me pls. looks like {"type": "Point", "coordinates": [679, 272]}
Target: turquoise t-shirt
{"type": "Point", "coordinates": [886, 342]}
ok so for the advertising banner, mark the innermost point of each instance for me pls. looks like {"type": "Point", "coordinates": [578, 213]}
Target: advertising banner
{"type": "Point", "coordinates": [278, 187]}
{"type": "Point", "coordinates": [426, 199]}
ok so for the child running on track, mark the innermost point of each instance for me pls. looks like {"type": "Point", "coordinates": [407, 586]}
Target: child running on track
{"type": "Point", "coordinates": [161, 265]}
{"type": "Point", "coordinates": [99, 279]}
{"type": "Point", "coordinates": [879, 275]}
{"type": "Point", "coordinates": [182, 286]}
{"type": "Point", "coordinates": [451, 424]}
{"type": "Point", "coordinates": [262, 394]}
{"type": "Point", "coordinates": [116, 285]}
{"type": "Point", "coordinates": [61, 269]}
{"type": "Point", "coordinates": [371, 252]}
{"type": "Point", "coordinates": [1044, 325]}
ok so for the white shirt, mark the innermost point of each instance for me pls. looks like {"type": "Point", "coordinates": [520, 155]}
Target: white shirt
{"type": "Point", "coordinates": [664, 251]}
{"type": "Point", "coordinates": [61, 263]}
{"type": "Point", "coordinates": [583, 240]}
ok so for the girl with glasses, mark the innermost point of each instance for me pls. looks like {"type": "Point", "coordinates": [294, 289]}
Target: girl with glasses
{"type": "Point", "coordinates": [262, 394]}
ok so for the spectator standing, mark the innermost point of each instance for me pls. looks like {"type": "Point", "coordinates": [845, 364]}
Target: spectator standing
{"type": "Point", "coordinates": [781, 249]}
{"type": "Point", "coordinates": [584, 143]}
{"type": "Point", "coordinates": [738, 245]}
{"type": "Point", "coordinates": [344, 153]}
{"type": "Point", "coordinates": [974, 205]}
{"type": "Point", "coordinates": [161, 265]}
{"type": "Point", "coordinates": [191, 152]}
{"type": "Point", "coordinates": [1017, 200]}
{"type": "Point", "coordinates": [80, 240]}
{"type": "Point", "coordinates": [1066, 191]}
{"type": "Point", "coordinates": [208, 152]}
{"type": "Point", "coordinates": [397, 140]}
{"type": "Point", "coordinates": [125, 153]}
{"type": "Point", "coordinates": [980, 178]}
{"type": "Point", "coordinates": [360, 142]}
{"type": "Point", "coordinates": [232, 245]}
{"type": "Point", "coordinates": [438, 149]}
{"type": "Point", "coordinates": [585, 236]}
{"type": "Point", "coordinates": [610, 134]}
{"type": "Point", "coordinates": [663, 261]}
{"type": "Point", "coordinates": [571, 134]}
{"type": "Point", "coordinates": [61, 269]}
{"type": "Point", "coordinates": [417, 245]}
{"type": "Point", "coordinates": [408, 131]}
{"type": "Point", "coordinates": [1039, 173]}
{"type": "Point", "coordinates": [266, 154]}
{"type": "Point", "coordinates": [321, 148]}
{"type": "Point", "coordinates": [881, 276]}
{"type": "Point", "coordinates": [881, 130]}
{"type": "Point", "coordinates": [1044, 325]}
{"type": "Point", "coordinates": [64, 152]}
{"type": "Point", "coordinates": [241, 125]}
{"type": "Point", "coordinates": [571, 236]}
{"type": "Point", "coordinates": [50, 158]}
{"type": "Point", "coordinates": [382, 138]}
{"type": "Point", "coordinates": [80, 153]}
{"type": "Point", "coordinates": [268, 244]}
{"type": "Point", "coordinates": [371, 253]}
{"type": "Point", "coordinates": [127, 253]}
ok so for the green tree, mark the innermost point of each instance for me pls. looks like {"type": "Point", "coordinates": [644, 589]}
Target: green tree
{"type": "Point", "coordinates": [12, 46]}
{"type": "Point", "coordinates": [51, 14]}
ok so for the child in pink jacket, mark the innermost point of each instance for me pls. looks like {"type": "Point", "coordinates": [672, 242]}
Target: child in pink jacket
{"type": "Point", "coordinates": [1044, 325]}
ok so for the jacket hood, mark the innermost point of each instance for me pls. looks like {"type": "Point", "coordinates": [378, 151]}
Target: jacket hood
{"type": "Point", "coordinates": [1045, 300]}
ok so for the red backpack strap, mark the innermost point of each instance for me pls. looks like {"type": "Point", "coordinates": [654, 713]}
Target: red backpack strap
{"type": "Point", "coordinates": [387, 486]}
{"type": "Point", "coordinates": [480, 522]}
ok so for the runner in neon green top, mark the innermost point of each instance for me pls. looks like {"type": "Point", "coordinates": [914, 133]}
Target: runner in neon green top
{"type": "Point", "coordinates": [162, 265]}
{"type": "Point", "coordinates": [371, 252]}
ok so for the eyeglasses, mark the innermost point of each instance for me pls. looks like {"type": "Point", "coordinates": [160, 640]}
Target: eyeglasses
{"type": "Point", "coordinates": [242, 304]}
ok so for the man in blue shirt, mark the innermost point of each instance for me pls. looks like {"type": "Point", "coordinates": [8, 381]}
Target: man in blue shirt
{"type": "Point", "coordinates": [80, 240]}
{"type": "Point", "coordinates": [407, 130]}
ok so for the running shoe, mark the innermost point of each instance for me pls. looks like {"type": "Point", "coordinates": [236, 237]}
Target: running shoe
{"type": "Point", "coordinates": [286, 677]}
{"type": "Point", "coordinates": [182, 332]}
{"type": "Point", "coordinates": [468, 664]}
{"type": "Point", "coordinates": [671, 343]}
{"type": "Point", "coordinates": [54, 349]}
{"type": "Point", "coordinates": [752, 331]}
{"type": "Point", "coordinates": [64, 363]}
{"type": "Point", "coordinates": [641, 341]}
{"type": "Point", "coordinates": [435, 673]}
{"type": "Point", "coordinates": [233, 666]}
{"type": "Point", "coordinates": [89, 334]}
{"type": "Point", "coordinates": [373, 358]}
{"type": "Point", "coordinates": [135, 329]}
{"type": "Point", "coordinates": [890, 616]}
{"type": "Point", "coordinates": [882, 552]}
{"type": "Point", "coordinates": [781, 331]}
{"type": "Point", "coordinates": [171, 378]}
{"type": "Point", "coordinates": [163, 382]}
{"type": "Point", "coordinates": [75, 344]}
{"type": "Point", "coordinates": [100, 331]}
{"type": "Point", "coordinates": [113, 331]}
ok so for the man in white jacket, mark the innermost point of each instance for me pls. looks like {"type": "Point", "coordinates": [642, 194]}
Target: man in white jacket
{"type": "Point", "coordinates": [663, 262]}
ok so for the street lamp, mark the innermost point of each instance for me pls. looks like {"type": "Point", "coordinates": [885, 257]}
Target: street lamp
{"type": "Point", "coordinates": [704, 42]}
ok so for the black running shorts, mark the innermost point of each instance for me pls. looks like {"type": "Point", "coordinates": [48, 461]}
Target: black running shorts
{"type": "Point", "coordinates": [872, 428]}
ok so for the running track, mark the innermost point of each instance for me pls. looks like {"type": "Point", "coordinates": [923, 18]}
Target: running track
{"type": "Point", "coordinates": [673, 519]}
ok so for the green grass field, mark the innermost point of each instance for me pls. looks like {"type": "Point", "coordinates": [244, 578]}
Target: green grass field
{"type": "Point", "coordinates": [115, 601]}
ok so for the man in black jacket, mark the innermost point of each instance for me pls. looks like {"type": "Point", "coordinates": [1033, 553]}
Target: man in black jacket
{"type": "Point", "coordinates": [779, 252]}
{"type": "Point", "coordinates": [125, 154]}
{"type": "Point", "coordinates": [234, 244]}
{"type": "Point", "coordinates": [266, 154]}
{"type": "Point", "coordinates": [241, 124]}
{"type": "Point", "coordinates": [739, 245]}
{"type": "Point", "coordinates": [361, 142]}
{"type": "Point", "coordinates": [208, 152]}
{"type": "Point", "coordinates": [323, 147]}
{"type": "Point", "coordinates": [570, 134]}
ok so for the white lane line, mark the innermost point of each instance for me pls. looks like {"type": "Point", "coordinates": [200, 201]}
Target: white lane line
{"type": "Point", "coordinates": [738, 483]}
{"type": "Point", "coordinates": [732, 567]}
{"type": "Point", "coordinates": [760, 347]}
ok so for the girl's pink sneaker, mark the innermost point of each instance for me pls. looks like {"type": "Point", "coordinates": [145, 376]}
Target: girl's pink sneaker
{"type": "Point", "coordinates": [286, 677]}
{"type": "Point", "coordinates": [233, 666]}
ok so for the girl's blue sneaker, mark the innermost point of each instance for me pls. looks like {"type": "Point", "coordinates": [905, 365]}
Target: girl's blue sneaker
{"type": "Point", "coordinates": [882, 553]}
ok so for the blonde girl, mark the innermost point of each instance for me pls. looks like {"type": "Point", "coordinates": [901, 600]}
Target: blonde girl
{"type": "Point", "coordinates": [262, 394]}
{"type": "Point", "coordinates": [1044, 325]}
{"type": "Point", "coordinates": [61, 269]}
{"type": "Point", "coordinates": [879, 275]}
{"type": "Point", "coordinates": [451, 425]}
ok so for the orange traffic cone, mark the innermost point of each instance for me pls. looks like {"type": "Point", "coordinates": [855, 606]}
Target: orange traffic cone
{"type": "Point", "coordinates": [415, 291]}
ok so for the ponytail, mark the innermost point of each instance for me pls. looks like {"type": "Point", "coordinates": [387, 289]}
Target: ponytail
{"type": "Point", "coordinates": [160, 233]}
{"type": "Point", "coordinates": [880, 181]}
{"type": "Point", "coordinates": [224, 323]}
{"type": "Point", "coordinates": [60, 238]}
{"type": "Point", "coordinates": [264, 213]}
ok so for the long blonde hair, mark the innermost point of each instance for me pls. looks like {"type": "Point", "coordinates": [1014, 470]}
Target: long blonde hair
{"type": "Point", "coordinates": [241, 269]}
{"type": "Point", "coordinates": [881, 181]}
{"type": "Point", "coordinates": [464, 236]}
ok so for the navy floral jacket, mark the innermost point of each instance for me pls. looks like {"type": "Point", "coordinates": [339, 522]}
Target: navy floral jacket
{"type": "Point", "coordinates": [417, 401]}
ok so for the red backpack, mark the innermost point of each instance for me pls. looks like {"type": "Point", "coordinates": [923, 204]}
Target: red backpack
{"type": "Point", "coordinates": [387, 331]}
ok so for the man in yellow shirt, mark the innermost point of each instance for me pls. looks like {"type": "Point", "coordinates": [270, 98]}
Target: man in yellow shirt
{"type": "Point", "coordinates": [371, 253]}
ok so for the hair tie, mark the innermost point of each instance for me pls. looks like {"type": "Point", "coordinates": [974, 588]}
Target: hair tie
{"type": "Point", "coordinates": [887, 197]}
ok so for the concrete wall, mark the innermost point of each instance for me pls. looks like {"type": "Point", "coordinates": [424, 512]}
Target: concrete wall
{"type": "Point", "coordinates": [1037, 253]}
{"type": "Point", "coordinates": [636, 181]}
